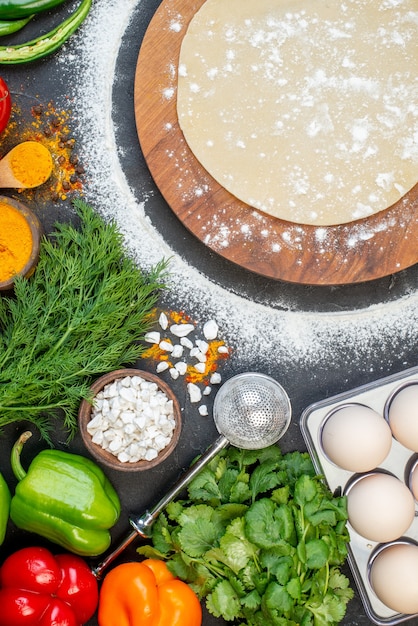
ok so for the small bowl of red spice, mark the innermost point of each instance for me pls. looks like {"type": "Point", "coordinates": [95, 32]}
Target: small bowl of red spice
{"type": "Point", "coordinates": [20, 238]}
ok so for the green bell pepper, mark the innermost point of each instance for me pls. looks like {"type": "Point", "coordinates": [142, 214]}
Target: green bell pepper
{"type": "Point", "coordinates": [5, 498]}
{"type": "Point", "coordinates": [16, 9]}
{"type": "Point", "coordinates": [65, 498]}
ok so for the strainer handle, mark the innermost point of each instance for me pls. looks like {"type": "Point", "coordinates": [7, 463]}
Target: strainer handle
{"type": "Point", "coordinates": [142, 525]}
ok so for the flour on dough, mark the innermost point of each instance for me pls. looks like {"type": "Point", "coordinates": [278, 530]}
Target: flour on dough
{"type": "Point", "coordinates": [304, 109]}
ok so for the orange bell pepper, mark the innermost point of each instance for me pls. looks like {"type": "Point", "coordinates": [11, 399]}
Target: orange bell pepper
{"type": "Point", "coordinates": [147, 594]}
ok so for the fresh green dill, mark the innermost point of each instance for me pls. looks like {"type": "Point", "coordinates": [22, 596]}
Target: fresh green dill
{"type": "Point", "coordinates": [261, 538]}
{"type": "Point", "coordinates": [81, 314]}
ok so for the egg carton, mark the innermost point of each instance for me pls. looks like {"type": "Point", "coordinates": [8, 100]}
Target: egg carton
{"type": "Point", "coordinates": [374, 395]}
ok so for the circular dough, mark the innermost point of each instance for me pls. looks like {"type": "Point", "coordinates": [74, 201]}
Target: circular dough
{"type": "Point", "coordinates": [306, 110]}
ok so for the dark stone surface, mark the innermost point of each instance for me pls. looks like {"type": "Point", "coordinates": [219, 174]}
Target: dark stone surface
{"type": "Point", "coordinates": [43, 81]}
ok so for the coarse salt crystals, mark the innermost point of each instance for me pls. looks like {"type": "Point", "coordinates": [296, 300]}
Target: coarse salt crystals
{"type": "Point", "coordinates": [133, 419]}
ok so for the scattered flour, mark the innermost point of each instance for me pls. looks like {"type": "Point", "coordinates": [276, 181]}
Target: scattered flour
{"type": "Point", "coordinates": [272, 340]}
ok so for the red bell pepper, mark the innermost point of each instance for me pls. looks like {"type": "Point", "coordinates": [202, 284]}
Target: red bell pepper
{"type": "Point", "coordinates": [38, 588]}
{"type": "Point", "coordinates": [5, 105]}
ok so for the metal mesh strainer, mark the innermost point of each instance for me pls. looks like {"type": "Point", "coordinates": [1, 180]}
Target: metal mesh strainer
{"type": "Point", "coordinates": [252, 411]}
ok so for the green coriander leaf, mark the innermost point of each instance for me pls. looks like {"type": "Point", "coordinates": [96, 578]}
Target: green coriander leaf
{"type": "Point", "coordinates": [281, 567]}
{"type": "Point", "coordinates": [161, 537]}
{"type": "Point", "coordinates": [174, 510]}
{"type": "Point", "coordinates": [253, 578]}
{"type": "Point", "coordinates": [221, 466]}
{"type": "Point", "coordinates": [237, 586]}
{"type": "Point", "coordinates": [281, 495]}
{"type": "Point", "coordinates": [261, 527]}
{"type": "Point", "coordinates": [264, 478]}
{"type": "Point", "coordinates": [224, 513]}
{"type": "Point", "coordinates": [198, 537]}
{"type": "Point", "coordinates": [294, 588]}
{"type": "Point", "coordinates": [271, 453]}
{"type": "Point", "coordinates": [297, 464]}
{"type": "Point", "coordinates": [317, 553]}
{"type": "Point", "coordinates": [305, 490]}
{"type": "Point", "coordinates": [277, 600]}
{"type": "Point", "coordinates": [204, 487]}
{"type": "Point", "coordinates": [194, 513]}
{"type": "Point", "coordinates": [243, 458]}
{"type": "Point", "coordinates": [340, 584]}
{"type": "Point", "coordinates": [235, 550]}
{"type": "Point", "coordinates": [240, 491]}
{"type": "Point", "coordinates": [323, 516]}
{"type": "Point", "coordinates": [251, 601]}
{"type": "Point", "coordinates": [268, 523]}
{"type": "Point", "coordinates": [223, 601]}
{"type": "Point", "coordinates": [150, 553]}
{"type": "Point", "coordinates": [226, 483]}
{"type": "Point", "coordinates": [330, 611]}
{"type": "Point", "coordinates": [179, 568]}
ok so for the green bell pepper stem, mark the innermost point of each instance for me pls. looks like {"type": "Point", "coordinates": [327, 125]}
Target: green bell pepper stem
{"type": "Point", "coordinates": [48, 43]}
{"type": "Point", "coordinates": [17, 467]}
{"type": "Point", "coordinates": [5, 498]}
{"type": "Point", "coordinates": [8, 27]}
{"type": "Point", "coordinates": [16, 9]}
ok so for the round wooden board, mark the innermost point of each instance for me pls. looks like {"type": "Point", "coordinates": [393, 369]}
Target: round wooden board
{"type": "Point", "coordinates": [360, 251]}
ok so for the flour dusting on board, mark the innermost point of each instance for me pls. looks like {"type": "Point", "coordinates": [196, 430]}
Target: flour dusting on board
{"type": "Point", "coordinates": [272, 338]}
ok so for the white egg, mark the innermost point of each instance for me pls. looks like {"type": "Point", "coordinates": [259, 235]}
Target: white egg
{"type": "Point", "coordinates": [403, 416]}
{"type": "Point", "coordinates": [380, 507]}
{"type": "Point", "coordinates": [394, 577]}
{"type": "Point", "coordinates": [356, 438]}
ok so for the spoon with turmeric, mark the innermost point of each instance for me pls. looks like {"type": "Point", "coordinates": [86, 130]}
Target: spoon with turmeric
{"type": "Point", "coordinates": [27, 165]}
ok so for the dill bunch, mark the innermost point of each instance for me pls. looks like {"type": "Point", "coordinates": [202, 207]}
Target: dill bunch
{"type": "Point", "coordinates": [81, 314]}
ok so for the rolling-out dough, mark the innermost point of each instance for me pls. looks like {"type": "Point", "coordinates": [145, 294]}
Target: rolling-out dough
{"type": "Point", "coordinates": [304, 109]}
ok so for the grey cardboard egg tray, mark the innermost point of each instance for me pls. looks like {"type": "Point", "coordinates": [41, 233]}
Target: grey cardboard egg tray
{"type": "Point", "coordinates": [374, 395]}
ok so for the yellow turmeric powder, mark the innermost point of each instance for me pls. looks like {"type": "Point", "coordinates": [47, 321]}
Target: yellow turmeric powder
{"type": "Point", "coordinates": [15, 242]}
{"type": "Point", "coordinates": [31, 163]}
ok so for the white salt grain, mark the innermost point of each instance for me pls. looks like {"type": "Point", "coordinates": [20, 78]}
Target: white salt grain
{"type": "Point", "coordinates": [166, 346]}
{"type": "Point", "coordinates": [181, 330]}
{"type": "Point", "coordinates": [195, 394]}
{"type": "Point", "coordinates": [186, 343]}
{"type": "Point", "coordinates": [143, 425]}
{"type": "Point", "coordinates": [210, 330]}
{"type": "Point", "coordinates": [181, 367]}
{"type": "Point", "coordinates": [174, 373]}
{"type": "Point", "coordinates": [163, 321]}
{"type": "Point", "coordinates": [152, 337]}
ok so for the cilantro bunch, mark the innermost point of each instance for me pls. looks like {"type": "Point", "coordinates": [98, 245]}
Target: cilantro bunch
{"type": "Point", "coordinates": [261, 538]}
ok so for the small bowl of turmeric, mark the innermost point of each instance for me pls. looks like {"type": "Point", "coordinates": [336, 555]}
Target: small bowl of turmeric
{"type": "Point", "coordinates": [20, 238]}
